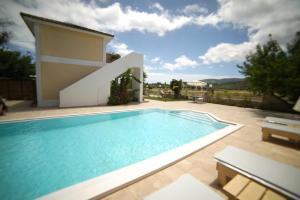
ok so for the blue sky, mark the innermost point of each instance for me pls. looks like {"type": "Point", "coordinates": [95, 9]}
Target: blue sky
{"type": "Point", "coordinates": [190, 40]}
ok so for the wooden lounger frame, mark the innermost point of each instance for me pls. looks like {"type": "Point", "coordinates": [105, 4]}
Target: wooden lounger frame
{"type": "Point", "coordinates": [268, 132]}
{"type": "Point", "coordinates": [272, 174]}
{"type": "Point", "coordinates": [226, 173]}
{"type": "Point", "coordinates": [241, 187]}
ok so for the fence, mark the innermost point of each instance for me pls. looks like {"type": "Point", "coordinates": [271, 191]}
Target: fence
{"type": "Point", "coordinates": [17, 90]}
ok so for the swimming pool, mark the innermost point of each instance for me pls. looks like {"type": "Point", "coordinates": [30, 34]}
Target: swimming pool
{"type": "Point", "coordinates": [41, 156]}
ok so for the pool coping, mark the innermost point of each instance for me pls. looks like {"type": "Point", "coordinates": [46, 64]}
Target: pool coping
{"type": "Point", "coordinates": [108, 183]}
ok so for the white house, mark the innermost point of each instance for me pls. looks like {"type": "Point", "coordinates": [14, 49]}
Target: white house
{"type": "Point", "coordinates": [71, 66]}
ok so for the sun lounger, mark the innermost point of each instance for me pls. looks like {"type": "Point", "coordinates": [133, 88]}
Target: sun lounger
{"type": "Point", "coordinates": [198, 99]}
{"type": "Point", "coordinates": [283, 121]}
{"type": "Point", "coordinates": [292, 132]}
{"type": "Point", "coordinates": [185, 187]}
{"type": "Point", "coordinates": [280, 177]}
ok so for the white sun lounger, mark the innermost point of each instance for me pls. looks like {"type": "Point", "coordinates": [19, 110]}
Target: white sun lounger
{"type": "Point", "coordinates": [198, 99]}
{"type": "Point", "coordinates": [185, 187]}
{"type": "Point", "coordinates": [282, 121]}
{"type": "Point", "coordinates": [290, 131]}
{"type": "Point", "coordinates": [278, 176]}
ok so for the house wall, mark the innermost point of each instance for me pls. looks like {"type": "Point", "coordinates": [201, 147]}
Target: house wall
{"type": "Point", "coordinates": [56, 76]}
{"type": "Point", "coordinates": [64, 56]}
{"type": "Point", "coordinates": [56, 41]}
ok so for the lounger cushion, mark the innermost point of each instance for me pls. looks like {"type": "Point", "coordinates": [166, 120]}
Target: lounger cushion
{"type": "Point", "coordinates": [185, 188]}
{"type": "Point", "coordinates": [283, 128]}
{"type": "Point", "coordinates": [282, 120]}
{"type": "Point", "coordinates": [281, 176]}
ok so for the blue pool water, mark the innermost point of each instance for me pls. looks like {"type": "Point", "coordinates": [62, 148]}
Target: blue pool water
{"type": "Point", "coordinates": [41, 156]}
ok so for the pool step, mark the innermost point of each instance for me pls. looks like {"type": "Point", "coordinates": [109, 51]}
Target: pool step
{"type": "Point", "coordinates": [195, 117]}
{"type": "Point", "coordinates": [201, 115]}
{"type": "Point", "coordinates": [198, 117]}
{"type": "Point", "coordinates": [210, 123]}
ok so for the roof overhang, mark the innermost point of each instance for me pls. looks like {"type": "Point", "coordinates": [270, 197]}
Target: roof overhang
{"type": "Point", "coordinates": [31, 20]}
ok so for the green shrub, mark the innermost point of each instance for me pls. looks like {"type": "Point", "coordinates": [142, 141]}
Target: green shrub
{"type": "Point", "coordinates": [119, 93]}
{"type": "Point", "coordinates": [114, 100]}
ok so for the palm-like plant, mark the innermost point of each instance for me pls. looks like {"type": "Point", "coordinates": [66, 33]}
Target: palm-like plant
{"type": "Point", "coordinates": [119, 86]}
{"type": "Point", "coordinates": [176, 86]}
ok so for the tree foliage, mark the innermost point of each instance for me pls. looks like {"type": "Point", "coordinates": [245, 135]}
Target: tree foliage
{"type": "Point", "coordinates": [176, 87]}
{"type": "Point", "coordinates": [4, 34]}
{"type": "Point", "coordinates": [292, 81]}
{"type": "Point", "coordinates": [112, 56]}
{"type": "Point", "coordinates": [13, 64]}
{"type": "Point", "coordinates": [270, 70]}
{"type": "Point", "coordinates": [145, 76]}
{"type": "Point", "coordinates": [4, 38]}
{"type": "Point", "coordinates": [119, 86]}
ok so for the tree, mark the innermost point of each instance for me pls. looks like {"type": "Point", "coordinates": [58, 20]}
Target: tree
{"type": "Point", "coordinates": [292, 82]}
{"type": "Point", "coordinates": [4, 38]}
{"type": "Point", "coordinates": [176, 87]}
{"type": "Point", "coordinates": [266, 69]}
{"type": "Point", "coordinates": [112, 56]}
{"type": "Point", "coordinates": [144, 81]}
{"type": "Point", "coordinates": [12, 63]}
{"type": "Point", "coordinates": [4, 35]}
{"type": "Point", "coordinates": [119, 86]}
{"type": "Point", "coordinates": [144, 76]}
{"type": "Point", "coordinates": [16, 66]}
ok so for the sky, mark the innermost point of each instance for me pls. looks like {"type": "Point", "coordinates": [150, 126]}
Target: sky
{"type": "Point", "coordinates": [189, 40]}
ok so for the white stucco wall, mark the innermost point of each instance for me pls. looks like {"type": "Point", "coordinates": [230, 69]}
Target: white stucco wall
{"type": "Point", "coordinates": [94, 89]}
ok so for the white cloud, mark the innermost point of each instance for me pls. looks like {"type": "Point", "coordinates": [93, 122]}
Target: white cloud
{"type": "Point", "coordinates": [211, 19]}
{"type": "Point", "coordinates": [179, 63]}
{"type": "Point", "coordinates": [226, 52]}
{"type": "Point", "coordinates": [156, 60]}
{"type": "Point", "coordinates": [103, 1]}
{"type": "Point", "coordinates": [194, 9]}
{"type": "Point", "coordinates": [120, 48]}
{"type": "Point", "coordinates": [113, 18]}
{"type": "Point", "coordinates": [148, 68]}
{"type": "Point", "coordinates": [259, 18]}
{"type": "Point", "coordinates": [167, 77]}
{"type": "Point", "coordinates": [280, 18]}
{"type": "Point", "coordinates": [157, 6]}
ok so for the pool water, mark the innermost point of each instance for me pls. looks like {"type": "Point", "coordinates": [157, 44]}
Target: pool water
{"type": "Point", "coordinates": [41, 156]}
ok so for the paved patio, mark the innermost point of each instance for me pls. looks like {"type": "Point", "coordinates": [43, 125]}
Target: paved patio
{"type": "Point", "coordinates": [201, 164]}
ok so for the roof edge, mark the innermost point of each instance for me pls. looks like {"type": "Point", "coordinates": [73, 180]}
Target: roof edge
{"type": "Point", "coordinates": [66, 24]}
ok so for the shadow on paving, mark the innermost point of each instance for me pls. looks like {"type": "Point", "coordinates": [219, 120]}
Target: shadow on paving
{"type": "Point", "coordinates": [267, 113]}
{"type": "Point", "coordinates": [284, 142]}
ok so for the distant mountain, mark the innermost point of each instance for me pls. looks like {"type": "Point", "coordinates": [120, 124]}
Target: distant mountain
{"type": "Point", "coordinates": [223, 80]}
